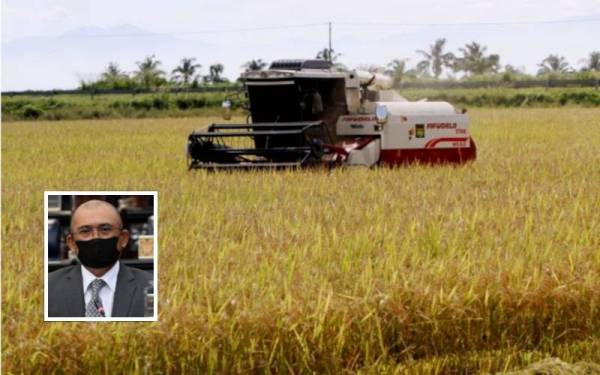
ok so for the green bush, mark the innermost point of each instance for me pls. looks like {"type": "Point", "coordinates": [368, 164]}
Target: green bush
{"type": "Point", "coordinates": [184, 103]}
{"type": "Point", "coordinates": [13, 105]}
{"type": "Point", "coordinates": [58, 107]}
{"type": "Point", "coordinates": [144, 103]}
{"type": "Point", "coordinates": [579, 98]}
{"type": "Point", "coordinates": [52, 103]}
{"type": "Point", "coordinates": [32, 112]}
{"type": "Point", "coordinates": [160, 102]}
{"type": "Point", "coordinates": [118, 104]}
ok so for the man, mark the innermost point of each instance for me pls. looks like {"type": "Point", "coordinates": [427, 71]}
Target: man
{"type": "Point", "coordinates": [100, 286]}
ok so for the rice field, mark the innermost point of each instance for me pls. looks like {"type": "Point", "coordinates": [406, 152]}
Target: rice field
{"type": "Point", "coordinates": [490, 267]}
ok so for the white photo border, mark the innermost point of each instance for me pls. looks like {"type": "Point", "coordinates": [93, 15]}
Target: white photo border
{"type": "Point", "coordinates": [153, 318]}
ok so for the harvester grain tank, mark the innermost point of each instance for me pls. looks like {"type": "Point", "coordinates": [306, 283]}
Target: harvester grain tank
{"type": "Point", "coordinates": [305, 113]}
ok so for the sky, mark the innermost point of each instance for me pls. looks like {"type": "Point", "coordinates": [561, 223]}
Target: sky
{"type": "Point", "coordinates": [54, 44]}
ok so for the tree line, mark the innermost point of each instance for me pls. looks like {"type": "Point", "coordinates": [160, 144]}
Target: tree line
{"type": "Point", "coordinates": [149, 75]}
{"type": "Point", "coordinates": [472, 61]}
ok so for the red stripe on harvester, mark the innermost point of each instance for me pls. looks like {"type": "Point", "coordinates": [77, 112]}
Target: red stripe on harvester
{"type": "Point", "coordinates": [435, 141]}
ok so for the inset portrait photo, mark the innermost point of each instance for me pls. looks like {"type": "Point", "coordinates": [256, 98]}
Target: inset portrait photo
{"type": "Point", "coordinates": [100, 256]}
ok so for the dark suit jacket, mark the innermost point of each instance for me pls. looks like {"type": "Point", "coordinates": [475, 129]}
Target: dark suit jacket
{"type": "Point", "coordinates": [65, 292]}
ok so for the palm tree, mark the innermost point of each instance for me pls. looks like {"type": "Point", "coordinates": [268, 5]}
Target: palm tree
{"type": "Point", "coordinates": [114, 78]}
{"type": "Point", "coordinates": [511, 69]}
{"type": "Point", "coordinates": [435, 59]}
{"type": "Point", "coordinates": [553, 64]}
{"type": "Point", "coordinates": [112, 73]}
{"type": "Point", "coordinates": [511, 72]}
{"type": "Point", "coordinates": [185, 72]}
{"type": "Point", "coordinates": [328, 54]}
{"type": "Point", "coordinates": [593, 62]}
{"type": "Point", "coordinates": [148, 73]}
{"type": "Point", "coordinates": [214, 74]}
{"type": "Point", "coordinates": [397, 69]}
{"type": "Point", "coordinates": [254, 65]}
{"type": "Point", "coordinates": [474, 60]}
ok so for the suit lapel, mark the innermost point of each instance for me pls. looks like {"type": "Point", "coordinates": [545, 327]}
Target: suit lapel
{"type": "Point", "coordinates": [124, 292]}
{"type": "Point", "coordinates": [74, 294]}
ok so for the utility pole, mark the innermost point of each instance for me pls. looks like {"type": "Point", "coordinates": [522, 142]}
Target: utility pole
{"type": "Point", "coordinates": [330, 58]}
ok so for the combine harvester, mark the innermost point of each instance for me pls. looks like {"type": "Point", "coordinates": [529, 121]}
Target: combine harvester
{"type": "Point", "coordinates": [305, 113]}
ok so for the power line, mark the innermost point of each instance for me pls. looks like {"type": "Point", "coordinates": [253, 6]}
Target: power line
{"type": "Point", "coordinates": [217, 31]}
{"type": "Point", "coordinates": [499, 23]}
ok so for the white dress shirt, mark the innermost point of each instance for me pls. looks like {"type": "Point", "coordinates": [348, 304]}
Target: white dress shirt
{"type": "Point", "coordinates": [107, 292]}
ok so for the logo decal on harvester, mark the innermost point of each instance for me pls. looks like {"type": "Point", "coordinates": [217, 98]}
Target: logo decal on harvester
{"type": "Point", "coordinates": [441, 125]}
{"type": "Point", "coordinates": [364, 118]}
{"type": "Point", "coordinates": [420, 130]}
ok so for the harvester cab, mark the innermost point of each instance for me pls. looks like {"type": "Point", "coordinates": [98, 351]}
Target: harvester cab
{"type": "Point", "coordinates": [304, 112]}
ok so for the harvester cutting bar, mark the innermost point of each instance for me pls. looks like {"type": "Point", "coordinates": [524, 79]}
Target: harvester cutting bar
{"type": "Point", "coordinates": [264, 151]}
{"type": "Point", "coordinates": [249, 133]}
{"type": "Point", "coordinates": [282, 125]}
{"type": "Point", "coordinates": [260, 145]}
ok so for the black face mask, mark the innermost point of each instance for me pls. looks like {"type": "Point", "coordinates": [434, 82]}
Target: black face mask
{"type": "Point", "coordinates": [99, 252]}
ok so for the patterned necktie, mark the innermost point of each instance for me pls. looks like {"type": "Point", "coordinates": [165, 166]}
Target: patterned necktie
{"type": "Point", "coordinates": [94, 308]}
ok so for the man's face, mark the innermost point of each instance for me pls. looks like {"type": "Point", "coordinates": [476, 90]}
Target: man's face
{"type": "Point", "coordinates": [96, 220]}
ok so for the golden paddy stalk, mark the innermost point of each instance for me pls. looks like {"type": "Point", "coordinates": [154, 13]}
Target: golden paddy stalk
{"type": "Point", "coordinates": [487, 267]}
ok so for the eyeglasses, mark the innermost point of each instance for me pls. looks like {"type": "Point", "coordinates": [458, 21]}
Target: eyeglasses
{"type": "Point", "coordinates": [102, 231]}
